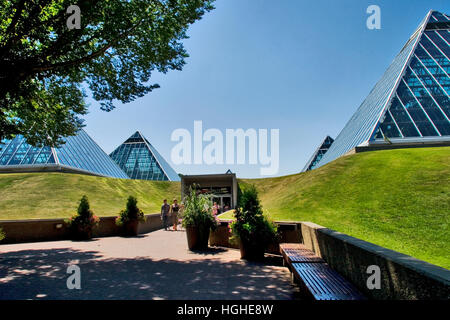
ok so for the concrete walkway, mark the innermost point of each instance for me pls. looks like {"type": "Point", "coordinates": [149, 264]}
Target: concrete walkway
{"type": "Point", "coordinates": [156, 265]}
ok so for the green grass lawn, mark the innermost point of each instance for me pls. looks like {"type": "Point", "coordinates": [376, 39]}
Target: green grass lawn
{"type": "Point", "coordinates": [56, 195]}
{"type": "Point", "coordinates": [398, 199]}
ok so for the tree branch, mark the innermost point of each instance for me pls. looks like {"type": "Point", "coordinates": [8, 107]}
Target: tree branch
{"type": "Point", "coordinates": [87, 58]}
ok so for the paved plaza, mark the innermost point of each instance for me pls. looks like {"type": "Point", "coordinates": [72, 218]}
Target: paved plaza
{"type": "Point", "coordinates": [157, 265]}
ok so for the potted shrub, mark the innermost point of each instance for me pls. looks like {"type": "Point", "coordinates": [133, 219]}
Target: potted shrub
{"type": "Point", "coordinates": [251, 227]}
{"type": "Point", "coordinates": [198, 219]}
{"type": "Point", "coordinates": [129, 218]}
{"type": "Point", "coordinates": [82, 223]}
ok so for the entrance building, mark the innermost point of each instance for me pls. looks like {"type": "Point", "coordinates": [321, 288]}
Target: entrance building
{"type": "Point", "coordinates": [223, 187]}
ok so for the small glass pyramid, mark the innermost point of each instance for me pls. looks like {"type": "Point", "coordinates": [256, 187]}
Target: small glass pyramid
{"type": "Point", "coordinates": [79, 154]}
{"type": "Point", "coordinates": [140, 160]}
{"type": "Point", "coordinates": [318, 154]}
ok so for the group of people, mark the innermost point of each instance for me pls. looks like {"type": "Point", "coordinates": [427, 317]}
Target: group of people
{"type": "Point", "coordinates": [169, 214]}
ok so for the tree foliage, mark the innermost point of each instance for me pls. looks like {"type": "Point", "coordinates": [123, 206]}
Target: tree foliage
{"type": "Point", "coordinates": [197, 211]}
{"type": "Point", "coordinates": [251, 225]}
{"type": "Point", "coordinates": [45, 66]}
{"type": "Point", "coordinates": [84, 220]}
{"type": "Point", "coordinates": [131, 212]}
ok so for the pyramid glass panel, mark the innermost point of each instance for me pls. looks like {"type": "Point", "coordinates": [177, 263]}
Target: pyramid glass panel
{"type": "Point", "coordinates": [389, 127]}
{"type": "Point", "coordinates": [415, 110]}
{"type": "Point", "coordinates": [411, 103]}
{"type": "Point", "coordinates": [402, 119]}
{"type": "Point", "coordinates": [79, 154]}
{"type": "Point", "coordinates": [140, 160]}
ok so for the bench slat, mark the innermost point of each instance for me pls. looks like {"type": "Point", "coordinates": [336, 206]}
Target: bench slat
{"type": "Point", "coordinates": [297, 252]}
{"type": "Point", "coordinates": [324, 283]}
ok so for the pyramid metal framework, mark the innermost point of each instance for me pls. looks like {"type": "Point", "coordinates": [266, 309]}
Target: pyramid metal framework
{"type": "Point", "coordinates": [79, 154]}
{"type": "Point", "coordinates": [318, 154]}
{"type": "Point", "coordinates": [411, 103]}
{"type": "Point", "coordinates": [140, 160]}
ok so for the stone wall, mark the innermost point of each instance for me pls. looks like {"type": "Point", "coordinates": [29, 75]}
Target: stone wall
{"type": "Point", "coordinates": [55, 229]}
{"type": "Point", "coordinates": [402, 277]}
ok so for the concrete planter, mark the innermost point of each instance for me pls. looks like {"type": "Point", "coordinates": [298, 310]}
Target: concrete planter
{"type": "Point", "coordinates": [197, 238]}
{"type": "Point", "coordinates": [130, 229]}
{"type": "Point", "coordinates": [251, 252]}
{"type": "Point", "coordinates": [82, 233]}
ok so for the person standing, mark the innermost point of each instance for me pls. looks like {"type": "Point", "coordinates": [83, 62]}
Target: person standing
{"type": "Point", "coordinates": [215, 209]}
{"type": "Point", "coordinates": [165, 211]}
{"type": "Point", "coordinates": [174, 208]}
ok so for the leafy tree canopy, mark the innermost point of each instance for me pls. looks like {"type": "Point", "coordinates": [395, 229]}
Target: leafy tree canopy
{"type": "Point", "coordinates": [44, 65]}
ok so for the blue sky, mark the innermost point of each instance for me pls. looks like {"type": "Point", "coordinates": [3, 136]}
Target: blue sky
{"type": "Point", "coordinates": [302, 67]}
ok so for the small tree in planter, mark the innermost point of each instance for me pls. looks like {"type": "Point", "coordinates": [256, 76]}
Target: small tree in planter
{"type": "Point", "coordinates": [253, 230]}
{"type": "Point", "coordinates": [82, 223]}
{"type": "Point", "coordinates": [2, 234]}
{"type": "Point", "coordinates": [198, 219]}
{"type": "Point", "coordinates": [129, 218]}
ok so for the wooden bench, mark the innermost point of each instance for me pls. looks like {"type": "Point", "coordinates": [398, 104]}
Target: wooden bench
{"type": "Point", "coordinates": [315, 276]}
{"type": "Point", "coordinates": [297, 253]}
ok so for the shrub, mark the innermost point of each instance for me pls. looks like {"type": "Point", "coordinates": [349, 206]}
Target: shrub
{"type": "Point", "coordinates": [84, 220]}
{"type": "Point", "coordinates": [197, 211]}
{"type": "Point", "coordinates": [131, 213]}
{"type": "Point", "coordinates": [2, 234]}
{"type": "Point", "coordinates": [251, 225]}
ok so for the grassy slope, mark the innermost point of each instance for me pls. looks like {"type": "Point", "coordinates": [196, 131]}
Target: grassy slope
{"type": "Point", "coordinates": [56, 195]}
{"type": "Point", "coordinates": [399, 199]}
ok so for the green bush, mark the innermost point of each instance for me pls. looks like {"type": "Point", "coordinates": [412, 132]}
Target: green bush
{"type": "Point", "coordinates": [131, 212]}
{"type": "Point", "coordinates": [2, 234]}
{"type": "Point", "coordinates": [84, 220]}
{"type": "Point", "coordinates": [197, 211]}
{"type": "Point", "coordinates": [251, 225]}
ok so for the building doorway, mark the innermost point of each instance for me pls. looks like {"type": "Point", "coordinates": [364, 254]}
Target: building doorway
{"type": "Point", "coordinates": [222, 187]}
{"type": "Point", "coordinates": [224, 202]}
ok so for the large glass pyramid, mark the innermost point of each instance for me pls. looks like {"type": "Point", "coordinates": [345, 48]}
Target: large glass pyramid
{"type": "Point", "coordinates": [140, 160]}
{"type": "Point", "coordinates": [79, 154]}
{"type": "Point", "coordinates": [410, 104]}
{"type": "Point", "coordinates": [319, 153]}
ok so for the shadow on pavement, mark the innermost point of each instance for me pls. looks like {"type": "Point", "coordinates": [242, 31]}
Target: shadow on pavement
{"type": "Point", "coordinates": [41, 274]}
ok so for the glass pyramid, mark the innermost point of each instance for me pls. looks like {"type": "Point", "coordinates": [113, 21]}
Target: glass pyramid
{"type": "Point", "coordinates": [318, 154]}
{"type": "Point", "coordinates": [79, 154]}
{"type": "Point", "coordinates": [140, 160]}
{"type": "Point", "coordinates": [410, 104]}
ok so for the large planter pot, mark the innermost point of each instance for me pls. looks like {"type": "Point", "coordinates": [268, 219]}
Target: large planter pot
{"type": "Point", "coordinates": [251, 252]}
{"type": "Point", "coordinates": [82, 233]}
{"type": "Point", "coordinates": [130, 228]}
{"type": "Point", "coordinates": [197, 238]}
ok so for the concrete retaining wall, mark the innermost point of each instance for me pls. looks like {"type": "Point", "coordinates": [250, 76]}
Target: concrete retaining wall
{"type": "Point", "coordinates": [55, 229]}
{"type": "Point", "coordinates": [289, 232]}
{"type": "Point", "coordinates": [402, 276]}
